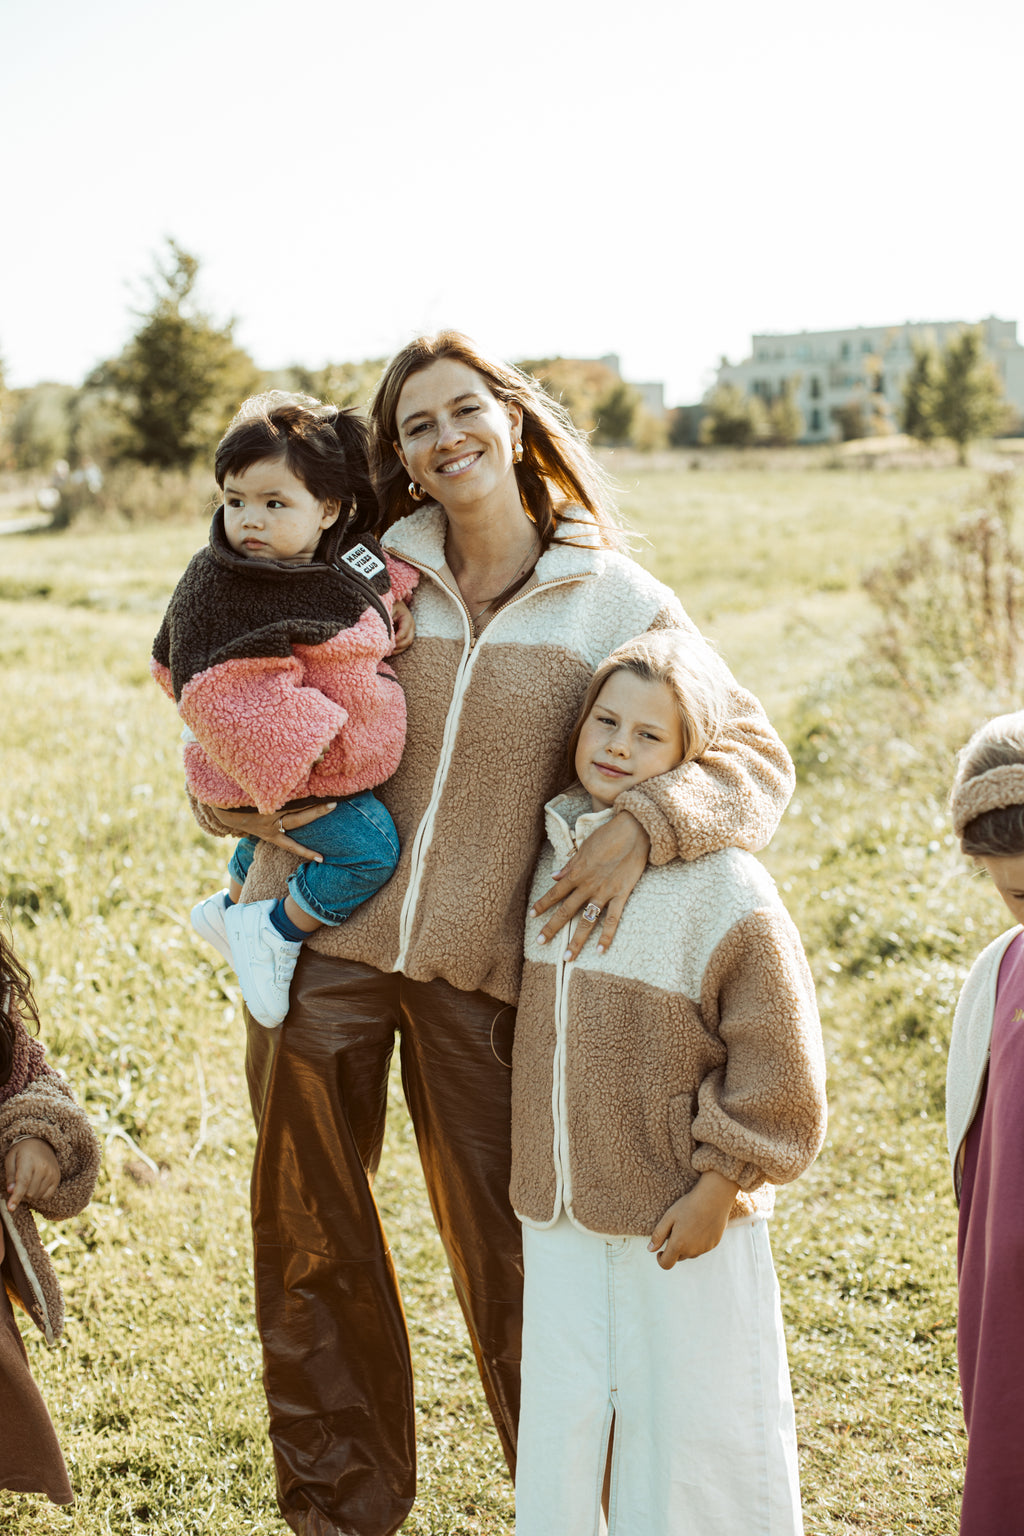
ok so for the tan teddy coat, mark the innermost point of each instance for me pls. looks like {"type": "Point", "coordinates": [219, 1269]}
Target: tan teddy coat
{"type": "Point", "coordinates": [692, 1044]}
{"type": "Point", "coordinates": [487, 726]}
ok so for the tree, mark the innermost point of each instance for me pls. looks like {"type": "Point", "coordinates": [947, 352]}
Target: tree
{"type": "Point", "coordinates": [969, 400]}
{"type": "Point", "coordinates": [180, 378]}
{"type": "Point", "coordinates": [733, 418]}
{"type": "Point", "coordinates": [40, 425]}
{"type": "Point", "coordinates": [346, 384]}
{"type": "Point", "coordinates": [6, 458]}
{"type": "Point", "coordinates": [851, 418]}
{"type": "Point", "coordinates": [614, 413]}
{"type": "Point", "coordinates": [918, 418]}
{"type": "Point", "coordinates": [785, 418]}
{"type": "Point", "coordinates": [580, 384]}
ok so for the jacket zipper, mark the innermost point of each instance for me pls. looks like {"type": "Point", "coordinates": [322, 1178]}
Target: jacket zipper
{"type": "Point", "coordinates": [559, 1091]}
{"type": "Point", "coordinates": [424, 832]}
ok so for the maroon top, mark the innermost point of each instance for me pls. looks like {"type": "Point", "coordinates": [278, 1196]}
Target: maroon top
{"type": "Point", "coordinates": [990, 1260]}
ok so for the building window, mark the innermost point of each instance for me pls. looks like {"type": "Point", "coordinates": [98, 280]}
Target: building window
{"type": "Point", "coordinates": [815, 420]}
{"type": "Point", "coordinates": [815, 388]}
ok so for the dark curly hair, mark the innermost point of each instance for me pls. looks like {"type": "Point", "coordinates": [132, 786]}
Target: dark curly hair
{"type": "Point", "coordinates": [325, 447]}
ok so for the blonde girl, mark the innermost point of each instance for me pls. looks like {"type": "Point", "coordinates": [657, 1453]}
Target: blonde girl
{"type": "Point", "coordinates": [661, 1089]}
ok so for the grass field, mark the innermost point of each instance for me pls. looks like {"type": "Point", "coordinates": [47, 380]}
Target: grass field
{"type": "Point", "coordinates": [156, 1386]}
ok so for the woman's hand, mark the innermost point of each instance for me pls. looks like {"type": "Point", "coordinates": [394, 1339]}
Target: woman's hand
{"type": "Point", "coordinates": [404, 626]}
{"type": "Point", "coordinates": [274, 827]}
{"type": "Point", "coordinates": [33, 1172]}
{"type": "Point", "coordinates": [601, 874]}
{"type": "Point", "coordinates": [694, 1225]}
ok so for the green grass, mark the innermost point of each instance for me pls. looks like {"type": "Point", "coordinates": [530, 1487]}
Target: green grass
{"type": "Point", "coordinates": [156, 1386]}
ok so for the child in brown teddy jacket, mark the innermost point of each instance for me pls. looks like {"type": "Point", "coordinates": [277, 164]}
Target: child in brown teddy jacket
{"type": "Point", "coordinates": [50, 1157]}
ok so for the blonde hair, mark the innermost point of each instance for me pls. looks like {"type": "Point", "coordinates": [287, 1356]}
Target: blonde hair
{"type": "Point", "coordinates": [558, 476]}
{"type": "Point", "coordinates": [987, 798]}
{"type": "Point", "coordinates": [685, 663]}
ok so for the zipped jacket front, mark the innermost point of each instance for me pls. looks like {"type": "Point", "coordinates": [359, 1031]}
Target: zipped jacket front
{"type": "Point", "coordinates": [691, 1044]}
{"type": "Point", "coordinates": [488, 722]}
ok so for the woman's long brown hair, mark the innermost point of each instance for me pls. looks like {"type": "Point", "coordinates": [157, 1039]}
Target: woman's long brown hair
{"type": "Point", "coordinates": [15, 994]}
{"type": "Point", "coordinates": [559, 476]}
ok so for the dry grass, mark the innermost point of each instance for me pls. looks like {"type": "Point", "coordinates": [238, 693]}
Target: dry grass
{"type": "Point", "coordinates": [156, 1386]}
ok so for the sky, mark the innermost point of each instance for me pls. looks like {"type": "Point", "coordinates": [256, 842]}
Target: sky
{"type": "Point", "coordinates": [659, 179]}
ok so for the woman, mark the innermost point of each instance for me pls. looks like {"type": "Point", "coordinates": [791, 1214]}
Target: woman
{"type": "Point", "coordinates": [523, 591]}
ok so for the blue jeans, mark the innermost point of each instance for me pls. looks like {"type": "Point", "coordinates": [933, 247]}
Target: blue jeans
{"type": "Point", "coordinates": [360, 848]}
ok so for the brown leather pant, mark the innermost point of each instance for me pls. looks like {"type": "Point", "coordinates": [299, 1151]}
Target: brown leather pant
{"type": "Point", "coordinates": [336, 1353]}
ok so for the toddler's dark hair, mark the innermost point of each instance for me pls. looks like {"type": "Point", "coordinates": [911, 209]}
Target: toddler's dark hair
{"type": "Point", "coordinates": [325, 447]}
{"type": "Point", "coordinates": [15, 995]}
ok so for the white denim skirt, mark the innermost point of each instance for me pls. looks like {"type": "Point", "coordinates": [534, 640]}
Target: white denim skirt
{"type": "Point", "coordinates": [691, 1365]}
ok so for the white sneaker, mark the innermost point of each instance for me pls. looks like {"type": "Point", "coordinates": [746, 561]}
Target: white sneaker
{"type": "Point", "coordinates": [208, 921]}
{"type": "Point", "coordinates": [264, 961]}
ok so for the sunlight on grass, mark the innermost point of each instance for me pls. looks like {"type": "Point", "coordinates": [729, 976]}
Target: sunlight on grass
{"type": "Point", "coordinates": [156, 1386]}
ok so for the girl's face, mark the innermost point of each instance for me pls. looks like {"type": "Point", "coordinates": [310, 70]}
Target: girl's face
{"type": "Point", "coordinates": [632, 733]}
{"type": "Point", "coordinates": [454, 438]}
{"type": "Point", "coordinates": [1008, 879]}
{"type": "Point", "coordinates": [270, 515]}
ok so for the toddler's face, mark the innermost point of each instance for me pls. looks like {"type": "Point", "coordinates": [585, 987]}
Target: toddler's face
{"type": "Point", "coordinates": [1008, 879]}
{"type": "Point", "coordinates": [270, 515]}
{"type": "Point", "coordinates": [632, 733]}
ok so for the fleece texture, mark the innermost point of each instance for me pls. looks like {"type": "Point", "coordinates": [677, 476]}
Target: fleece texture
{"type": "Point", "coordinates": [488, 724]}
{"type": "Point", "coordinates": [970, 1044]}
{"type": "Point", "coordinates": [692, 1044]}
{"type": "Point", "coordinates": [278, 674]}
{"type": "Point", "coordinates": [41, 1104]}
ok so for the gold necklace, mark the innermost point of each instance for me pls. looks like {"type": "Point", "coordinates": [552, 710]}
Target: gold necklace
{"type": "Point", "coordinates": [533, 553]}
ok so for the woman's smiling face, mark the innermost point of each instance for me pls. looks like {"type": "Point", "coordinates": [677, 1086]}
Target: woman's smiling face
{"type": "Point", "coordinates": [454, 437]}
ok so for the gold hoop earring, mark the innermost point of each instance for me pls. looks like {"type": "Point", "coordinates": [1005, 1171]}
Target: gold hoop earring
{"type": "Point", "coordinates": [416, 491]}
{"type": "Point", "coordinates": [517, 452]}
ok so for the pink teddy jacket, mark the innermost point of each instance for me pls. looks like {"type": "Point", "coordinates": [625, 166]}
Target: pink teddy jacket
{"type": "Point", "coordinates": [278, 671]}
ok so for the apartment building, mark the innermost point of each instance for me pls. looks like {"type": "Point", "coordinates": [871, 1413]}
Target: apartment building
{"type": "Point", "coordinates": [833, 369]}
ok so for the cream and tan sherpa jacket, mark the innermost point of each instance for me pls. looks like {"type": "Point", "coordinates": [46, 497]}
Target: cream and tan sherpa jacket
{"type": "Point", "coordinates": [485, 749]}
{"type": "Point", "coordinates": [692, 1044]}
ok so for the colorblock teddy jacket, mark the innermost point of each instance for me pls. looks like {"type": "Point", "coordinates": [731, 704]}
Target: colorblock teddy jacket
{"type": "Point", "coordinates": [692, 1044]}
{"type": "Point", "coordinates": [36, 1101]}
{"type": "Point", "coordinates": [488, 723]}
{"type": "Point", "coordinates": [278, 672]}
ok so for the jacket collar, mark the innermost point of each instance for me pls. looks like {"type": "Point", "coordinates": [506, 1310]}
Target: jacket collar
{"type": "Point", "coordinates": [569, 819]}
{"type": "Point", "coordinates": [420, 538]}
{"type": "Point", "coordinates": [264, 570]}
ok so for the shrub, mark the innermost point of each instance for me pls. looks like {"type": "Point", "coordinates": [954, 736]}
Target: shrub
{"type": "Point", "coordinates": [136, 493]}
{"type": "Point", "coordinates": [951, 602]}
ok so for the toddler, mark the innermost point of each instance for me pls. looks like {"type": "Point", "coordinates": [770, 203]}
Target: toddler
{"type": "Point", "coordinates": [273, 649]}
